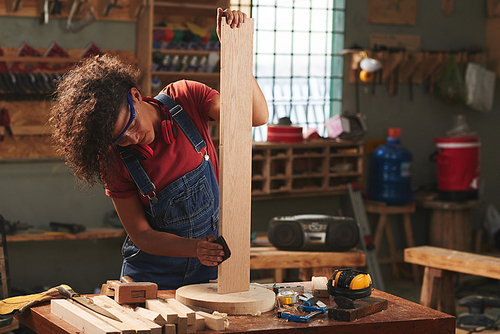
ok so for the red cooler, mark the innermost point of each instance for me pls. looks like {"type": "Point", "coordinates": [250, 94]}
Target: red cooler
{"type": "Point", "coordinates": [458, 165]}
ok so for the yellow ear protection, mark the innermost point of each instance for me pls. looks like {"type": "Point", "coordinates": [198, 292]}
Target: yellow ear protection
{"type": "Point", "coordinates": [349, 283]}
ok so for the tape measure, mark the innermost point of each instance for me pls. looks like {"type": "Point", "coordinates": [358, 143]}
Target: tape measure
{"type": "Point", "coordinates": [349, 283]}
{"type": "Point", "coordinates": [287, 297]}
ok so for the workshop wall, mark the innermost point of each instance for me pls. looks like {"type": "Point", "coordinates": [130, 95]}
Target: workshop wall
{"type": "Point", "coordinates": [36, 192]}
{"type": "Point", "coordinates": [426, 116]}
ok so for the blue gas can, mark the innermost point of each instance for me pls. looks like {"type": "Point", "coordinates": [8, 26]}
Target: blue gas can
{"type": "Point", "coordinates": [389, 178]}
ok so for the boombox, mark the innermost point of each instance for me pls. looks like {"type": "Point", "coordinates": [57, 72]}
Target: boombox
{"type": "Point", "coordinates": [313, 233]}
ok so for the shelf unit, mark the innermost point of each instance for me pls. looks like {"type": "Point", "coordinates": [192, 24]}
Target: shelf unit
{"type": "Point", "coordinates": [200, 12]}
{"type": "Point", "coordinates": [310, 168]}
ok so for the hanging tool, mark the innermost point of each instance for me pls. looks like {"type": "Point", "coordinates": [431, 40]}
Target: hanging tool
{"type": "Point", "coordinates": [365, 235]}
{"type": "Point", "coordinates": [5, 122]}
{"type": "Point", "coordinates": [67, 291]}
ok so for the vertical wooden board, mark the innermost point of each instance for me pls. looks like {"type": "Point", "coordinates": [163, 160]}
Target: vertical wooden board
{"type": "Point", "coordinates": [236, 155]}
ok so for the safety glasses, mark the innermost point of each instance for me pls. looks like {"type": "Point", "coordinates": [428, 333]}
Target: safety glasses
{"type": "Point", "coordinates": [131, 119]}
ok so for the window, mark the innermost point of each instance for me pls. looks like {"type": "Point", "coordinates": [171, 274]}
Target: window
{"type": "Point", "coordinates": [297, 59]}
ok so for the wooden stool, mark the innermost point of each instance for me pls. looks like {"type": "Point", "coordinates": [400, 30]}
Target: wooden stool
{"type": "Point", "coordinates": [451, 224]}
{"type": "Point", "coordinates": [384, 224]}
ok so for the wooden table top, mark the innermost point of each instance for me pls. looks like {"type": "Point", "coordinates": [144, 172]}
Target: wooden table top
{"type": "Point", "coordinates": [401, 316]}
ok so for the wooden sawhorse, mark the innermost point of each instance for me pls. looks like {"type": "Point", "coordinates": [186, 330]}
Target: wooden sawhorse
{"type": "Point", "coordinates": [384, 226]}
{"type": "Point", "coordinates": [272, 258]}
{"type": "Point", "coordinates": [441, 265]}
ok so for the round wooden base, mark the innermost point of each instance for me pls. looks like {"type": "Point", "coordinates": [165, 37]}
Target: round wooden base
{"type": "Point", "coordinates": [253, 301]}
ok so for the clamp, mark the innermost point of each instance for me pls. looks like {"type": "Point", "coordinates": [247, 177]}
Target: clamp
{"type": "Point", "coordinates": [302, 318]}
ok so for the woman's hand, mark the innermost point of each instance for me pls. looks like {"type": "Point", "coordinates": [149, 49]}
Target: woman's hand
{"type": "Point", "coordinates": [235, 18]}
{"type": "Point", "coordinates": [209, 253]}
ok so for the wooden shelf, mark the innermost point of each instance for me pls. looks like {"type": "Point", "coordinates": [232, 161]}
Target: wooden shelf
{"type": "Point", "coordinates": [310, 168]}
{"type": "Point", "coordinates": [200, 12]}
{"type": "Point", "coordinates": [125, 10]}
{"type": "Point", "coordinates": [90, 233]}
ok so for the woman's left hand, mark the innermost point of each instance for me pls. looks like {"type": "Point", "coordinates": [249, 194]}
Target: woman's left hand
{"type": "Point", "coordinates": [235, 18]}
{"type": "Point", "coordinates": [209, 253]}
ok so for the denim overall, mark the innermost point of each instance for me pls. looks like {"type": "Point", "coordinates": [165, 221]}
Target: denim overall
{"type": "Point", "coordinates": [188, 207]}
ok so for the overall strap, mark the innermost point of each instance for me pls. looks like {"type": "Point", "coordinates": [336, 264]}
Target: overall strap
{"type": "Point", "coordinates": [182, 119]}
{"type": "Point", "coordinates": [141, 179]}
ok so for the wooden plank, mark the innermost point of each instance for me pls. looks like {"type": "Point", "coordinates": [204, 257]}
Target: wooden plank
{"type": "Point", "coordinates": [236, 155]}
{"type": "Point", "coordinates": [183, 310]}
{"type": "Point", "coordinates": [127, 315]}
{"type": "Point", "coordinates": [166, 311]}
{"type": "Point", "coordinates": [200, 322]}
{"type": "Point", "coordinates": [153, 316]}
{"type": "Point", "coordinates": [80, 318]}
{"type": "Point", "coordinates": [212, 321]}
{"type": "Point", "coordinates": [272, 259]}
{"type": "Point", "coordinates": [90, 233]}
{"type": "Point", "coordinates": [362, 308]}
{"type": "Point", "coordinates": [453, 260]}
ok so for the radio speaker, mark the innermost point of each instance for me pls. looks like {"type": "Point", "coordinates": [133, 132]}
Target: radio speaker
{"type": "Point", "coordinates": [313, 233]}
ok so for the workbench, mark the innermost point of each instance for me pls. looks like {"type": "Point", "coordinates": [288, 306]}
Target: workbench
{"type": "Point", "coordinates": [272, 258]}
{"type": "Point", "coordinates": [401, 316]}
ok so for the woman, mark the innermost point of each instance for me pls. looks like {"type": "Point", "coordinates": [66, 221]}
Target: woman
{"type": "Point", "coordinates": [156, 160]}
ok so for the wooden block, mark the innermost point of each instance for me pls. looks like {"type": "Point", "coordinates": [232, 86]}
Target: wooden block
{"type": "Point", "coordinates": [166, 311]}
{"type": "Point", "coordinates": [182, 324]}
{"type": "Point", "coordinates": [320, 286]}
{"type": "Point", "coordinates": [153, 316]}
{"type": "Point", "coordinates": [79, 318]}
{"type": "Point", "coordinates": [127, 315]}
{"type": "Point", "coordinates": [183, 310]}
{"type": "Point", "coordinates": [169, 329]}
{"type": "Point", "coordinates": [214, 322]}
{"type": "Point", "coordinates": [200, 322]}
{"type": "Point", "coordinates": [363, 307]}
{"type": "Point", "coordinates": [130, 293]}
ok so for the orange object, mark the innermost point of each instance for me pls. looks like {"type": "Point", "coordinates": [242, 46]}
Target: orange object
{"type": "Point", "coordinates": [365, 76]}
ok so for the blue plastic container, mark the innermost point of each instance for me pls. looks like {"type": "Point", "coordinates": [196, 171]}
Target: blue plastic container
{"type": "Point", "coordinates": [390, 172]}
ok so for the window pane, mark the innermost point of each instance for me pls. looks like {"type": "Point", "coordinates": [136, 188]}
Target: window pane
{"type": "Point", "coordinates": [298, 62]}
{"type": "Point", "coordinates": [264, 42]}
{"type": "Point", "coordinates": [283, 42]}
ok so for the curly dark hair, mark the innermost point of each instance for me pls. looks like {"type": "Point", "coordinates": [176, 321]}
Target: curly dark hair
{"type": "Point", "coordinates": [87, 102]}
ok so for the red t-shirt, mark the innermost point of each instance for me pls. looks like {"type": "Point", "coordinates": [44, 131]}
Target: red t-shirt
{"type": "Point", "coordinates": [171, 161]}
